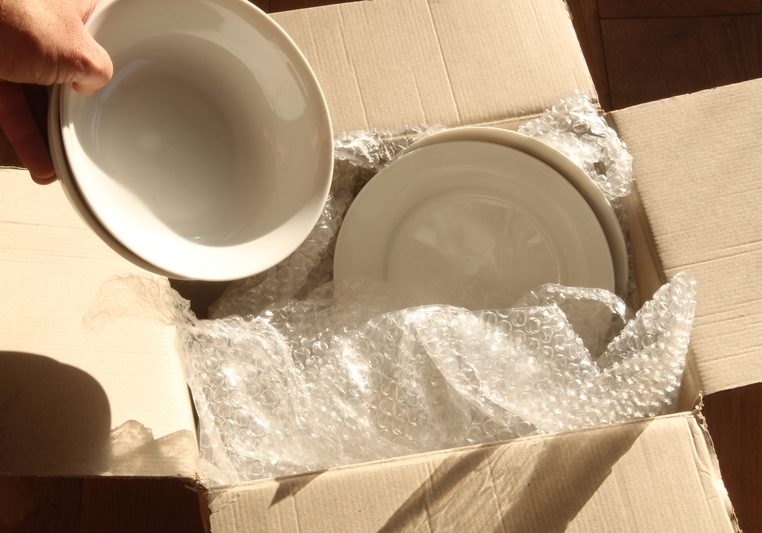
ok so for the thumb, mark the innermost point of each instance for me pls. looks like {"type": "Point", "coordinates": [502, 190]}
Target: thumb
{"type": "Point", "coordinates": [95, 69]}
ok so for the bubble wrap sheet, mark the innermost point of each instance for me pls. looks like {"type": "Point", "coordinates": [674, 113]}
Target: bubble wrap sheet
{"type": "Point", "coordinates": [576, 129]}
{"type": "Point", "coordinates": [295, 374]}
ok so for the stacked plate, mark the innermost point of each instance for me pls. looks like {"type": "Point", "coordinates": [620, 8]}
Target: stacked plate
{"type": "Point", "coordinates": [476, 217]}
{"type": "Point", "coordinates": [209, 155]}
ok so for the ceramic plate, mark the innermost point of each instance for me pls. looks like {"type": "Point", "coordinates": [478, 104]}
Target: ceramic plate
{"type": "Point", "coordinates": [564, 166]}
{"type": "Point", "coordinates": [474, 224]}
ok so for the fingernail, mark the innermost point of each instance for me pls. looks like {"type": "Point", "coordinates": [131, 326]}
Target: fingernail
{"type": "Point", "coordinates": [99, 71]}
{"type": "Point", "coordinates": [87, 90]}
{"type": "Point", "coordinates": [44, 179]}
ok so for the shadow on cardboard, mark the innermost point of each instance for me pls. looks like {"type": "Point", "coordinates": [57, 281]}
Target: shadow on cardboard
{"type": "Point", "coordinates": [536, 487]}
{"type": "Point", "coordinates": [54, 418]}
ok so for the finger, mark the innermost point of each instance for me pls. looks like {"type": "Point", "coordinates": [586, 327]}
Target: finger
{"type": "Point", "coordinates": [97, 70]}
{"type": "Point", "coordinates": [19, 126]}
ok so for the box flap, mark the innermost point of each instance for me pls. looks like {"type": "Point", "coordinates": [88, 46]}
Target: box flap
{"type": "Point", "coordinates": [78, 399]}
{"type": "Point", "coordinates": [638, 476]}
{"type": "Point", "coordinates": [698, 165]}
{"type": "Point", "coordinates": [392, 63]}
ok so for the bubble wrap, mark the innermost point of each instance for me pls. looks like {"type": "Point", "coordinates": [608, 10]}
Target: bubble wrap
{"type": "Point", "coordinates": [376, 149]}
{"type": "Point", "coordinates": [575, 128]}
{"type": "Point", "coordinates": [330, 380]}
{"type": "Point", "coordinates": [294, 373]}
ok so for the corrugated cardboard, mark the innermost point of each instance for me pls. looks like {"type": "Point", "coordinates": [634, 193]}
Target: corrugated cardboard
{"type": "Point", "coordinates": [656, 475]}
{"type": "Point", "coordinates": [698, 167]}
{"type": "Point", "coordinates": [64, 384]}
{"type": "Point", "coordinates": [389, 63]}
{"type": "Point", "coordinates": [386, 64]}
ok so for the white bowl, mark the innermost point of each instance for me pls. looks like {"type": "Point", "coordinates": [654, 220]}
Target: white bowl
{"type": "Point", "coordinates": [63, 171]}
{"type": "Point", "coordinates": [209, 155]}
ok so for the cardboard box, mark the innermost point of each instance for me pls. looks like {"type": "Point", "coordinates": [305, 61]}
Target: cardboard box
{"type": "Point", "coordinates": [110, 399]}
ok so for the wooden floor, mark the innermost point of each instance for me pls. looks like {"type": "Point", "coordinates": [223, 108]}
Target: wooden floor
{"type": "Point", "coordinates": [638, 50]}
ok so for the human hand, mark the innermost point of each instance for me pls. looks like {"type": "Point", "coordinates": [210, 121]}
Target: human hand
{"type": "Point", "coordinates": [44, 42]}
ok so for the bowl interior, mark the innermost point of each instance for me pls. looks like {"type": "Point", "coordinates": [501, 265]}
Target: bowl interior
{"type": "Point", "coordinates": [61, 165]}
{"type": "Point", "coordinates": [210, 152]}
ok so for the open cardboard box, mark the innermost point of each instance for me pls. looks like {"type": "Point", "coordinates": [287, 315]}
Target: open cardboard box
{"type": "Point", "coordinates": [79, 400]}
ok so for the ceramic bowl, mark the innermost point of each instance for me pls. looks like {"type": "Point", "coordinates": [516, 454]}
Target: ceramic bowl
{"type": "Point", "coordinates": [209, 155]}
{"type": "Point", "coordinates": [63, 171]}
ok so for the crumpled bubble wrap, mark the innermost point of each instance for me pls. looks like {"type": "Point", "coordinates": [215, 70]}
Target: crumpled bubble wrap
{"type": "Point", "coordinates": [330, 380]}
{"type": "Point", "coordinates": [376, 149]}
{"type": "Point", "coordinates": [576, 129]}
{"type": "Point", "coordinates": [295, 374]}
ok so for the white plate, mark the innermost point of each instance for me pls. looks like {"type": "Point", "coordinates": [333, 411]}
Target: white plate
{"type": "Point", "coordinates": [564, 166]}
{"type": "Point", "coordinates": [474, 224]}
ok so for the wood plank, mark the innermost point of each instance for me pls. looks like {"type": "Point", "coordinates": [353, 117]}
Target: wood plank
{"type": "Point", "coordinates": [676, 8]}
{"type": "Point", "coordinates": [734, 418]}
{"type": "Point", "coordinates": [264, 5]}
{"type": "Point", "coordinates": [40, 504]}
{"type": "Point", "coordinates": [649, 59]}
{"type": "Point", "coordinates": [287, 5]}
{"type": "Point", "coordinates": [587, 25]}
{"type": "Point", "coordinates": [145, 505]}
